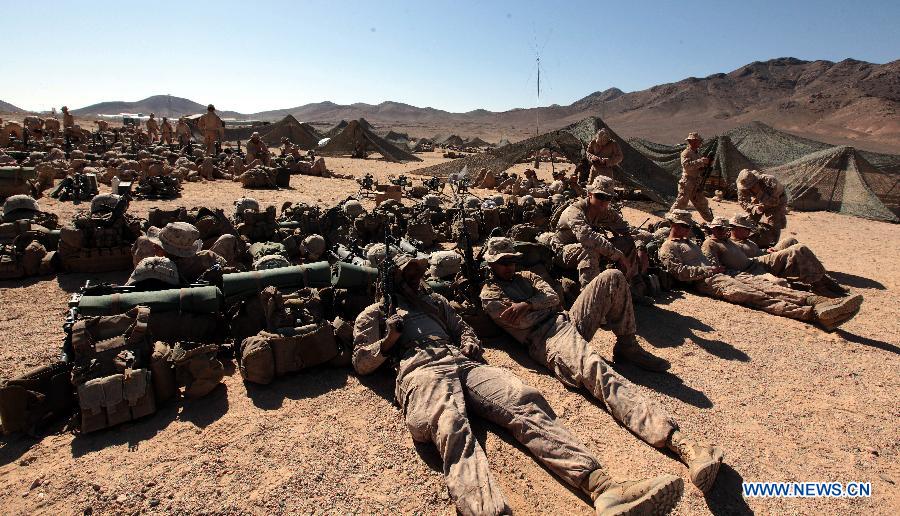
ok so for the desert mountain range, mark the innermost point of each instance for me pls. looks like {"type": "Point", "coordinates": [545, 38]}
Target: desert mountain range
{"type": "Point", "coordinates": [849, 102]}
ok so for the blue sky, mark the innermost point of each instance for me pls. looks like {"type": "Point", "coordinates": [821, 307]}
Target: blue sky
{"type": "Point", "coordinates": [252, 56]}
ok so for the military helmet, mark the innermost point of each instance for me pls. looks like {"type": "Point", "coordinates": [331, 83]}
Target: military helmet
{"type": "Point", "coordinates": [271, 261]}
{"type": "Point", "coordinates": [528, 200]}
{"type": "Point", "coordinates": [353, 208]}
{"type": "Point", "coordinates": [444, 264]}
{"type": "Point", "coordinates": [473, 202]}
{"type": "Point", "coordinates": [432, 201]}
{"type": "Point", "coordinates": [210, 108]}
{"type": "Point", "coordinates": [155, 267]}
{"type": "Point", "coordinates": [314, 245]}
{"type": "Point", "coordinates": [104, 202]}
{"type": "Point", "coordinates": [19, 202]}
{"type": "Point", "coordinates": [497, 198]}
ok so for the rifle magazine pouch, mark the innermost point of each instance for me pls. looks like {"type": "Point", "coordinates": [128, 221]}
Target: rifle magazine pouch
{"type": "Point", "coordinates": [162, 373]}
{"type": "Point", "coordinates": [138, 393]}
{"type": "Point", "coordinates": [36, 396]}
{"type": "Point", "coordinates": [257, 360]}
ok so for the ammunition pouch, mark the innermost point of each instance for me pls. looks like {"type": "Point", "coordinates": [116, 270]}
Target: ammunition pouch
{"type": "Point", "coordinates": [97, 259]}
{"type": "Point", "coordinates": [197, 369]}
{"type": "Point", "coordinates": [115, 399]}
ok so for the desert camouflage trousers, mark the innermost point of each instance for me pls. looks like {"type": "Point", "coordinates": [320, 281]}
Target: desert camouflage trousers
{"type": "Point", "coordinates": [437, 386]}
{"type": "Point", "coordinates": [761, 291]}
{"type": "Point", "coordinates": [587, 260]}
{"type": "Point", "coordinates": [689, 192]}
{"type": "Point", "coordinates": [796, 263]}
{"type": "Point", "coordinates": [562, 345]}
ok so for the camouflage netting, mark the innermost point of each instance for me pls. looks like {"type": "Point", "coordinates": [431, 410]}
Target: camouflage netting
{"type": "Point", "coordinates": [498, 160]}
{"type": "Point", "coordinates": [299, 134]}
{"type": "Point", "coordinates": [396, 137]}
{"type": "Point", "coordinates": [635, 170]}
{"type": "Point", "coordinates": [452, 140]}
{"type": "Point", "coordinates": [840, 179]}
{"type": "Point", "coordinates": [728, 163]}
{"type": "Point", "coordinates": [336, 130]}
{"type": "Point", "coordinates": [768, 147]}
{"type": "Point", "coordinates": [503, 143]}
{"type": "Point", "coordinates": [477, 142]}
{"type": "Point", "coordinates": [354, 133]}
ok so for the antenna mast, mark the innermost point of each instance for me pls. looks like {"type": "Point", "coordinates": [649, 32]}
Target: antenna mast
{"type": "Point", "coordinates": [537, 111]}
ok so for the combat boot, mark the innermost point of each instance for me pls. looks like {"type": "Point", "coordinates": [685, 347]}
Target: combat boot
{"type": "Point", "coordinates": [636, 497]}
{"type": "Point", "coordinates": [627, 349]}
{"type": "Point", "coordinates": [827, 286]}
{"type": "Point", "coordinates": [702, 461]}
{"type": "Point", "coordinates": [831, 313]}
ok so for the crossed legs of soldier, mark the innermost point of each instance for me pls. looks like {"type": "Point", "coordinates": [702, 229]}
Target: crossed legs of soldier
{"type": "Point", "coordinates": [435, 397]}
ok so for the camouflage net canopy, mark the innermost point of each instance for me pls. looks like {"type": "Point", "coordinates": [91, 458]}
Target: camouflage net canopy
{"type": "Point", "coordinates": [356, 135]}
{"type": "Point", "coordinates": [302, 135]}
{"type": "Point", "coordinates": [635, 170]}
{"type": "Point", "coordinates": [840, 179]}
{"type": "Point", "coordinates": [336, 130]}
{"type": "Point", "coordinates": [476, 142]}
{"type": "Point", "coordinates": [728, 160]}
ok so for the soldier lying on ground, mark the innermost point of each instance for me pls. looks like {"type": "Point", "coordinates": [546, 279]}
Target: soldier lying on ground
{"type": "Point", "coordinates": [440, 376]}
{"type": "Point", "coordinates": [683, 259]}
{"type": "Point", "coordinates": [796, 263]}
{"type": "Point", "coordinates": [528, 309]}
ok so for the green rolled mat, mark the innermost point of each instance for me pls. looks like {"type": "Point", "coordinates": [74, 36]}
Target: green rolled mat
{"type": "Point", "coordinates": [17, 173]}
{"type": "Point", "coordinates": [198, 300]}
{"type": "Point", "coordinates": [313, 275]}
{"type": "Point", "coordinates": [347, 275]}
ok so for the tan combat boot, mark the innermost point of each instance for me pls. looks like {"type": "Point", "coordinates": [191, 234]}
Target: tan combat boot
{"type": "Point", "coordinates": [636, 497]}
{"type": "Point", "coordinates": [702, 461]}
{"type": "Point", "coordinates": [831, 313]}
{"type": "Point", "coordinates": [627, 349]}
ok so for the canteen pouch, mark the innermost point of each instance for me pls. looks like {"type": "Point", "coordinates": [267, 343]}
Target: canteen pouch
{"type": "Point", "coordinates": [98, 259]}
{"type": "Point", "coordinates": [36, 396]}
{"type": "Point", "coordinates": [197, 369]}
{"type": "Point", "coordinates": [257, 361]}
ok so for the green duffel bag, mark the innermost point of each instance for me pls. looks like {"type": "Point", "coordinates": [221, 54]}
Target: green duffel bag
{"type": "Point", "coordinates": [198, 300]}
{"type": "Point", "coordinates": [348, 275]}
{"type": "Point", "coordinates": [240, 284]}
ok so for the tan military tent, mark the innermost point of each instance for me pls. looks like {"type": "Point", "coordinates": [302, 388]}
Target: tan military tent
{"type": "Point", "coordinates": [354, 134]}
{"type": "Point", "coordinates": [840, 179]}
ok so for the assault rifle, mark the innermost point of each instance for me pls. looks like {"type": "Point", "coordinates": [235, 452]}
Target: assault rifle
{"type": "Point", "coordinates": [388, 288]}
{"type": "Point", "coordinates": [460, 184]}
{"type": "Point", "coordinates": [366, 185]}
{"type": "Point", "coordinates": [707, 171]}
{"type": "Point", "coordinates": [68, 146]}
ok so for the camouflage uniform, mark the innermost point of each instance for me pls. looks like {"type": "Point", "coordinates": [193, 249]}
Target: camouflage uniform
{"type": "Point", "coordinates": [692, 165]}
{"type": "Point", "coordinates": [212, 128]}
{"type": "Point", "coordinates": [684, 260]}
{"type": "Point", "coordinates": [607, 150]}
{"type": "Point", "coordinates": [796, 263]}
{"type": "Point", "coordinates": [763, 197]}
{"type": "Point", "coordinates": [560, 341]}
{"type": "Point", "coordinates": [152, 127]}
{"type": "Point", "coordinates": [436, 387]}
{"type": "Point", "coordinates": [165, 129]}
{"type": "Point", "coordinates": [581, 240]}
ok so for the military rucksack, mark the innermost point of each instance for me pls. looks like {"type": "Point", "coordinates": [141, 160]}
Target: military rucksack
{"type": "Point", "coordinates": [35, 397]}
{"type": "Point", "coordinates": [266, 355]}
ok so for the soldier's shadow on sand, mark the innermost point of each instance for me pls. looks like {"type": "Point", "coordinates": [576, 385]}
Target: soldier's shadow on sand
{"type": "Point", "coordinates": [665, 383]}
{"type": "Point", "coordinates": [304, 384]}
{"type": "Point", "coordinates": [665, 329]}
{"type": "Point", "coordinates": [845, 278]}
{"type": "Point", "coordinates": [865, 341]}
{"type": "Point", "coordinates": [201, 412]}
{"type": "Point", "coordinates": [727, 495]}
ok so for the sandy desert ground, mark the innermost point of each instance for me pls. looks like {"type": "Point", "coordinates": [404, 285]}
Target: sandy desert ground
{"type": "Point", "coordinates": [786, 401]}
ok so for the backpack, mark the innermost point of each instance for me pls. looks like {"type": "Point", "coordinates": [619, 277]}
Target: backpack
{"type": "Point", "coordinates": [266, 356]}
